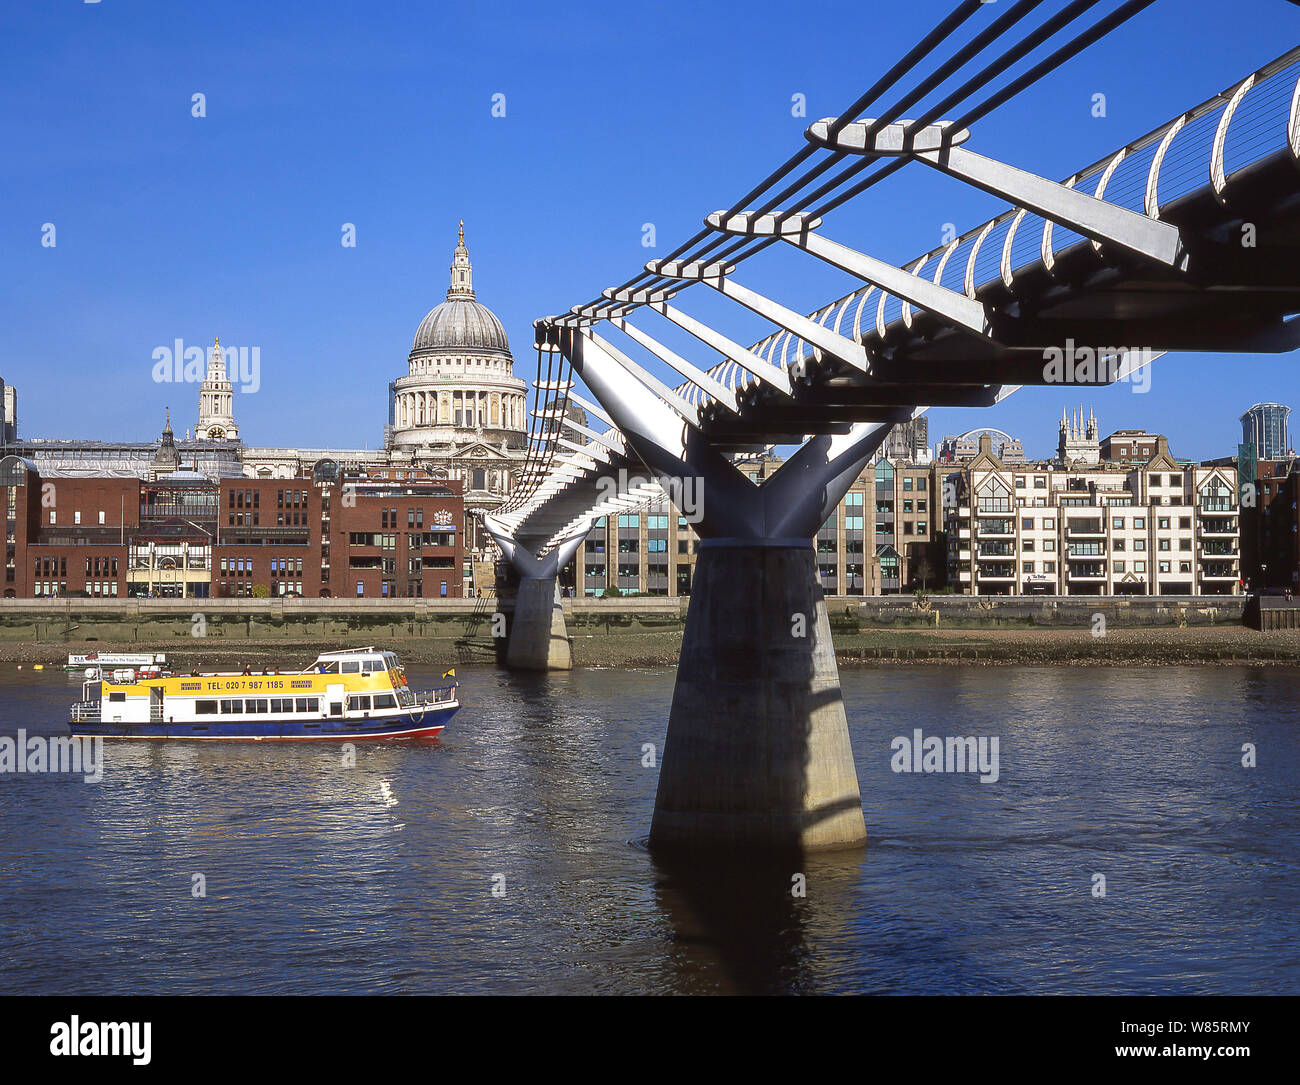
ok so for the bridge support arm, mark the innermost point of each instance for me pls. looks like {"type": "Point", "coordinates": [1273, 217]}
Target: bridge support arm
{"type": "Point", "coordinates": [937, 146]}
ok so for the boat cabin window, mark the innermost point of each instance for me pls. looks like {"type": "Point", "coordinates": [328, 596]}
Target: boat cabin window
{"type": "Point", "coordinates": [351, 666]}
{"type": "Point", "coordinates": [257, 705]}
{"type": "Point", "coordinates": [332, 667]}
{"type": "Point", "coordinates": [336, 708]}
{"type": "Point", "coordinates": [281, 704]}
{"type": "Point", "coordinates": [205, 708]}
{"type": "Point", "coordinates": [359, 703]}
{"type": "Point", "coordinates": [117, 696]}
{"type": "Point", "coordinates": [229, 707]}
{"type": "Point", "coordinates": [385, 700]}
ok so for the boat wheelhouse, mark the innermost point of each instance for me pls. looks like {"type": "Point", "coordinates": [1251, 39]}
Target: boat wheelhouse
{"type": "Point", "coordinates": [352, 694]}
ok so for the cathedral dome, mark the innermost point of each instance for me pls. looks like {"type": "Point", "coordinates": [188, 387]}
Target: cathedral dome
{"type": "Point", "coordinates": [461, 324]}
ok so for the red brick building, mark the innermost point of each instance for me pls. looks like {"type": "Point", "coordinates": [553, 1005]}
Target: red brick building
{"type": "Point", "coordinates": [385, 534]}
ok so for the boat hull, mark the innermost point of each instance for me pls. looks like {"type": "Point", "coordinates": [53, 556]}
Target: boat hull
{"type": "Point", "coordinates": [402, 725]}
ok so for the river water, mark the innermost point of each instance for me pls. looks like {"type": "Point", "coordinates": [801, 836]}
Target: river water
{"type": "Point", "coordinates": [507, 856]}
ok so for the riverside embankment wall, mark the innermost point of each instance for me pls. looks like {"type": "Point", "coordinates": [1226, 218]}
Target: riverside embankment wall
{"type": "Point", "coordinates": [602, 630]}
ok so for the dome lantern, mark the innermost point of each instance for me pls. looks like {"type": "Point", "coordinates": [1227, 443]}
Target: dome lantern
{"type": "Point", "coordinates": [461, 324]}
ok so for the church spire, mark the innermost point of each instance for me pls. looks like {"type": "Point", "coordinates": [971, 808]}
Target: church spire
{"type": "Point", "coordinates": [462, 271]}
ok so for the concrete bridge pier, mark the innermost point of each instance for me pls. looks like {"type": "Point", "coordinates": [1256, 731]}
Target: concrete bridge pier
{"type": "Point", "coordinates": [538, 640]}
{"type": "Point", "coordinates": [757, 752]}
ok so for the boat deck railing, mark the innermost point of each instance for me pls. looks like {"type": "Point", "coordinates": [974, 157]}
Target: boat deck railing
{"type": "Point", "coordinates": [440, 695]}
{"type": "Point", "coordinates": [85, 712]}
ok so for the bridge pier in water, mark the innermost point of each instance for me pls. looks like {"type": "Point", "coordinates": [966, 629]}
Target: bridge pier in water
{"type": "Point", "coordinates": [538, 640]}
{"type": "Point", "coordinates": [757, 752]}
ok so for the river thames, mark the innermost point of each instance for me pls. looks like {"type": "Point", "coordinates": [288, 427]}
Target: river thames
{"type": "Point", "coordinates": [508, 857]}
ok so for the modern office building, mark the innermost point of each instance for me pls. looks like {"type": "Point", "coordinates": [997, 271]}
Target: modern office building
{"type": "Point", "coordinates": [882, 538]}
{"type": "Point", "coordinates": [1265, 425]}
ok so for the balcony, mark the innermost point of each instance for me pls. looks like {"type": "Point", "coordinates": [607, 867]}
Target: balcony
{"type": "Point", "coordinates": [996, 550]}
{"type": "Point", "coordinates": [1087, 574]}
{"type": "Point", "coordinates": [1084, 528]}
{"type": "Point", "coordinates": [1084, 552]}
{"type": "Point", "coordinates": [1217, 527]}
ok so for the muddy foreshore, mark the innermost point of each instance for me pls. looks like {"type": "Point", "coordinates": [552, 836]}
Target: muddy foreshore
{"type": "Point", "coordinates": [1150, 646]}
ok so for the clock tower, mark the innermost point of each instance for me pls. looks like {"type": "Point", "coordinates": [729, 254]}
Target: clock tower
{"type": "Point", "coordinates": [216, 401]}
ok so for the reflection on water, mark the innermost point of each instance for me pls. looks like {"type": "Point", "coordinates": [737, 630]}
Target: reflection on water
{"type": "Point", "coordinates": [507, 857]}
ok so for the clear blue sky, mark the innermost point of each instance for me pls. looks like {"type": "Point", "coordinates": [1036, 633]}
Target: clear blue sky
{"type": "Point", "coordinates": [379, 115]}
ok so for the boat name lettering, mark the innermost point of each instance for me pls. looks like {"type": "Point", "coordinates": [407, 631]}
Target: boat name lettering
{"type": "Point", "coordinates": [191, 685]}
{"type": "Point", "coordinates": [300, 685]}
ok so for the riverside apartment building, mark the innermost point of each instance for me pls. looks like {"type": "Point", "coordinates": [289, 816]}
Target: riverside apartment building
{"type": "Point", "coordinates": [1159, 528]}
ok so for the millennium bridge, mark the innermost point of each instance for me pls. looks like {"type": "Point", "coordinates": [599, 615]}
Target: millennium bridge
{"type": "Point", "coordinates": [1184, 239]}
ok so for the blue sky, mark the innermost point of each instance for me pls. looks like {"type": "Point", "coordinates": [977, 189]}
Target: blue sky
{"type": "Point", "coordinates": [171, 226]}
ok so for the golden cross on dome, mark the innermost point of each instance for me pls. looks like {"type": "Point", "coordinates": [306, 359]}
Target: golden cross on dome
{"type": "Point", "coordinates": [462, 231]}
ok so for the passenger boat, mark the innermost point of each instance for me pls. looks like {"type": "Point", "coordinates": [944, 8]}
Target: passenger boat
{"type": "Point", "coordinates": [347, 695]}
